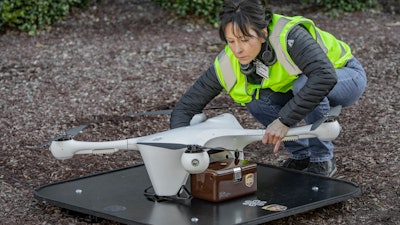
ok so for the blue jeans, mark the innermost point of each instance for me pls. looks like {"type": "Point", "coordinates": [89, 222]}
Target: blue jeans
{"type": "Point", "coordinates": [348, 89]}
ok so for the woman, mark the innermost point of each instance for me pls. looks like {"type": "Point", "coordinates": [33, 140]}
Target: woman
{"type": "Point", "coordinates": [284, 70]}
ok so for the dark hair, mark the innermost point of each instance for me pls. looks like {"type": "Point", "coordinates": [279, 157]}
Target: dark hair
{"type": "Point", "coordinates": [245, 14]}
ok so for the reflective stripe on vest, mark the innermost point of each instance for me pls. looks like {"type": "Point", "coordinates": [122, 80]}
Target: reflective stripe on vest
{"type": "Point", "coordinates": [337, 51]}
{"type": "Point", "coordinates": [227, 72]}
{"type": "Point", "coordinates": [281, 54]}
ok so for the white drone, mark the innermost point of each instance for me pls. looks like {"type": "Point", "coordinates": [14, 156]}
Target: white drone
{"type": "Point", "coordinates": [170, 156]}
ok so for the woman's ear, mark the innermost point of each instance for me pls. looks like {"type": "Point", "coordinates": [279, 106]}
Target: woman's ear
{"type": "Point", "coordinates": [265, 32]}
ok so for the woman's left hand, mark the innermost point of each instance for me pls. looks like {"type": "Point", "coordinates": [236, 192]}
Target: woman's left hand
{"type": "Point", "coordinates": [274, 134]}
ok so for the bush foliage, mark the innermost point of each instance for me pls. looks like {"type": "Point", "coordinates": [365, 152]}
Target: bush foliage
{"type": "Point", "coordinates": [209, 9]}
{"type": "Point", "coordinates": [336, 6]}
{"type": "Point", "coordinates": [32, 15]}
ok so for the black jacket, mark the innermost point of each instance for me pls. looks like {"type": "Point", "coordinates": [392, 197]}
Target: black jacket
{"type": "Point", "coordinates": [307, 55]}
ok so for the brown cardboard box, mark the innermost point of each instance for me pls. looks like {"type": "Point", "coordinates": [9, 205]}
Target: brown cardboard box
{"type": "Point", "coordinates": [225, 179]}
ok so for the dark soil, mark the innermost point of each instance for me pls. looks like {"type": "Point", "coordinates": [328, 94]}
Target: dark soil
{"type": "Point", "coordinates": [119, 57]}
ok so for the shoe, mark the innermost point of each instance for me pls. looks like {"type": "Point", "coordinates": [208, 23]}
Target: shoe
{"type": "Point", "coordinates": [327, 168]}
{"type": "Point", "coordinates": [297, 164]}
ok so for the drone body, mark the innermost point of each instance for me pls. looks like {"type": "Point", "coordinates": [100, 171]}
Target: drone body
{"type": "Point", "coordinates": [166, 157]}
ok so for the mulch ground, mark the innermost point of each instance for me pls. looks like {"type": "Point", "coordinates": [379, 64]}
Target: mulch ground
{"type": "Point", "coordinates": [115, 58]}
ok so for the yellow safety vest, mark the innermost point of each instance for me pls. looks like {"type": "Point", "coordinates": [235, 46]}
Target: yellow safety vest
{"type": "Point", "coordinates": [282, 73]}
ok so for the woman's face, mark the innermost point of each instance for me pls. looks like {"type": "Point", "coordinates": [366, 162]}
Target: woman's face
{"type": "Point", "coordinates": [244, 48]}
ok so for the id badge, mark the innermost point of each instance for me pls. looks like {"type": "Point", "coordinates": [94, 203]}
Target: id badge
{"type": "Point", "coordinates": [262, 69]}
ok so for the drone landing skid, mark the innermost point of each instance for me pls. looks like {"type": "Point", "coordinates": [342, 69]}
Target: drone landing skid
{"type": "Point", "coordinates": [183, 194]}
{"type": "Point", "coordinates": [118, 196]}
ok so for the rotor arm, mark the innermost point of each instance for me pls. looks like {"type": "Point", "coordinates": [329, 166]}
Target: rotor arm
{"type": "Point", "coordinates": [327, 131]}
{"type": "Point", "coordinates": [67, 149]}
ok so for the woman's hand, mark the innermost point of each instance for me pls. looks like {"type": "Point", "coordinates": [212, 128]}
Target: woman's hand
{"type": "Point", "coordinates": [274, 134]}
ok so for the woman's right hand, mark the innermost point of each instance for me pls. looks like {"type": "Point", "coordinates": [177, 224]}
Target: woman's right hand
{"type": "Point", "coordinates": [274, 134]}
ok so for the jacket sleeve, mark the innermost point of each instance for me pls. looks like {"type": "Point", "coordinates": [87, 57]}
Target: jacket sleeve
{"type": "Point", "coordinates": [311, 59]}
{"type": "Point", "coordinates": [205, 88]}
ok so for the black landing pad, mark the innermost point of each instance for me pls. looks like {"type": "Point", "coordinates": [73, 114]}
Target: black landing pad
{"type": "Point", "coordinates": [118, 195]}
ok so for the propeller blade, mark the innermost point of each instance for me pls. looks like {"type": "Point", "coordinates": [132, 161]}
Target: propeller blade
{"type": "Point", "coordinates": [74, 131]}
{"type": "Point", "coordinates": [169, 111]}
{"type": "Point", "coordinates": [68, 134]}
{"type": "Point", "coordinates": [175, 146]}
{"type": "Point", "coordinates": [152, 113]}
{"type": "Point", "coordinates": [329, 116]}
{"type": "Point", "coordinates": [172, 146]}
{"type": "Point", "coordinates": [335, 111]}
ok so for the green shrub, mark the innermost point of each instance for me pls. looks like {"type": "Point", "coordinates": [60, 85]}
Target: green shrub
{"type": "Point", "coordinates": [336, 6]}
{"type": "Point", "coordinates": [33, 15]}
{"type": "Point", "coordinates": [207, 9]}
